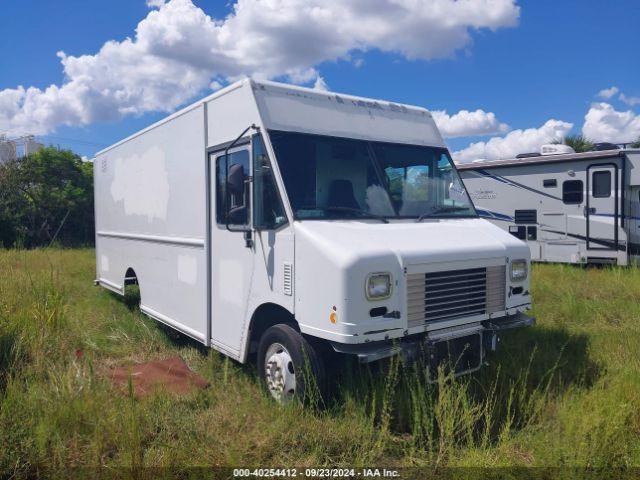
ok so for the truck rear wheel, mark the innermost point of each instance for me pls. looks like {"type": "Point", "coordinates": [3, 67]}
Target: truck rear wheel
{"type": "Point", "coordinates": [289, 366]}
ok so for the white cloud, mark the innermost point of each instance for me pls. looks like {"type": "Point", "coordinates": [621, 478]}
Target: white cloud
{"type": "Point", "coordinates": [515, 142]}
{"type": "Point", "coordinates": [320, 84]}
{"type": "Point", "coordinates": [466, 123]}
{"type": "Point", "coordinates": [607, 92]}
{"type": "Point", "coordinates": [178, 50]}
{"type": "Point", "coordinates": [10, 100]}
{"type": "Point", "coordinates": [631, 101]}
{"type": "Point", "coordinates": [603, 123]}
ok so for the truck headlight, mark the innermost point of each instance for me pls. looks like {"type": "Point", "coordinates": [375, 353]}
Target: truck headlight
{"type": "Point", "coordinates": [378, 286]}
{"type": "Point", "coordinates": [518, 270]}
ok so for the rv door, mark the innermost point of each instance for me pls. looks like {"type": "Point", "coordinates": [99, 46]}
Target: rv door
{"type": "Point", "coordinates": [602, 207]}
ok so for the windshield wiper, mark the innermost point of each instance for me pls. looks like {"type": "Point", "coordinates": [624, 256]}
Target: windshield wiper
{"type": "Point", "coordinates": [443, 209]}
{"type": "Point", "coordinates": [346, 209]}
{"type": "Point", "coordinates": [357, 210]}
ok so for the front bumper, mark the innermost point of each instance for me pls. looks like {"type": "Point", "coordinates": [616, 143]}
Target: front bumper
{"type": "Point", "coordinates": [476, 337]}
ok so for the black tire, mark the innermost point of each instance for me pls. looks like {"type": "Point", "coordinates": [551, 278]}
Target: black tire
{"type": "Point", "coordinates": [307, 364]}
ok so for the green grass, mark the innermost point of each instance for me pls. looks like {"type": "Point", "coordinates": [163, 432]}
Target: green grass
{"type": "Point", "coordinates": [564, 393]}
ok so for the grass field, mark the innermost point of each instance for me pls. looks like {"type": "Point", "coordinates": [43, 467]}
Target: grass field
{"type": "Point", "coordinates": [564, 393]}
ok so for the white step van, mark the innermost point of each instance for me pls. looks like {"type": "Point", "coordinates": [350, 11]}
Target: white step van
{"type": "Point", "coordinates": [286, 222]}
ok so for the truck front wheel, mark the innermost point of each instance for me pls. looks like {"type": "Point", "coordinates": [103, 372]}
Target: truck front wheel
{"type": "Point", "coordinates": [289, 366]}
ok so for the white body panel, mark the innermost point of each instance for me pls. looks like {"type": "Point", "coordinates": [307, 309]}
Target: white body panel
{"type": "Point", "coordinates": [596, 228]}
{"type": "Point", "coordinates": [156, 207]}
{"type": "Point", "coordinates": [150, 216]}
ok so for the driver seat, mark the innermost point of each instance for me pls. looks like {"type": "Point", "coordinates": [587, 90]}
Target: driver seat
{"type": "Point", "coordinates": [341, 194]}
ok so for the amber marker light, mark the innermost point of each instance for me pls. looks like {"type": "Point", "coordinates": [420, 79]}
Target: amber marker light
{"type": "Point", "coordinates": [333, 316]}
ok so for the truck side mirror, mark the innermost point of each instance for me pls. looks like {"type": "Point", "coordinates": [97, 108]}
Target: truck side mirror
{"type": "Point", "coordinates": [237, 207]}
{"type": "Point", "coordinates": [236, 180]}
{"type": "Point", "coordinates": [236, 191]}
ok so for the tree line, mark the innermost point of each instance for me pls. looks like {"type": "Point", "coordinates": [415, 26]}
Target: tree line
{"type": "Point", "coordinates": [46, 198]}
{"type": "Point", "coordinates": [580, 143]}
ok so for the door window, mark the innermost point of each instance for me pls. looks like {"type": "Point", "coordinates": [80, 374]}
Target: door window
{"type": "Point", "coordinates": [601, 184]}
{"type": "Point", "coordinates": [232, 194]}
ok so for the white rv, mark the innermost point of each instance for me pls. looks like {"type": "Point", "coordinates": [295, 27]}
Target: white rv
{"type": "Point", "coordinates": [285, 222]}
{"type": "Point", "coordinates": [569, 207]}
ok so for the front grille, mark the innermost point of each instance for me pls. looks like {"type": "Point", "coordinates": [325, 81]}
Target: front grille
{"type": "Point", "coordinates": [450, 294]}
{"type": "Point", "coordinates": [496, 286]}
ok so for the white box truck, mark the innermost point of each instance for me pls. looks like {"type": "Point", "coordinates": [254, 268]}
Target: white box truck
{"type": "Point", "coordinates": [284, 222]}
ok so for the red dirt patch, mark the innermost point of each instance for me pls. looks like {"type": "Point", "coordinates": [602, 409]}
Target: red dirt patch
{"type": "Point", "coordinates": [171, 375]}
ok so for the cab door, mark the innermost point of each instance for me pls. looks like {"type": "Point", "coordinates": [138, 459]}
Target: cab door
{"type": "Point", "coordinates": [602, 207]}
{"type": "Point", "coordinates": [231, 253]}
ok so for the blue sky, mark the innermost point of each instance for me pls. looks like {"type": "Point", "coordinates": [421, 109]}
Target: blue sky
{"type": "Point", "coordinates": [529, 62]}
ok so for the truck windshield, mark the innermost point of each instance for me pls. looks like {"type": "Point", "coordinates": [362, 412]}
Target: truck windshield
{"type": "Point", "coordinates": [339, 178]}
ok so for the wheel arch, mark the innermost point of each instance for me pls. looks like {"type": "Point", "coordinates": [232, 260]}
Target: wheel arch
{"type": "Point", "coordinates": [131, 290]}
{"type": "Point", "coordinates": [264, 316]}
{"type": "Point", "coordinates": [130, 277]}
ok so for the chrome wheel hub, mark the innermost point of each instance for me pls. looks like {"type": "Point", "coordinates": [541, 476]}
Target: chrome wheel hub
{"type": "Point", "coordinates": [279, 373]}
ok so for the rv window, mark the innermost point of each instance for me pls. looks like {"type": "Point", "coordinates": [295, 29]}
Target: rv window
{"type": "Point", "coordinates": [572, 192]}
{"type": "Point", "coordinates": [238, 172]}
{"type": "Point", "coordinates": [550, 183]}
{"type": "Point", "coordinates": [518, 231]}
{"type": "Point", "coordinates": [601, 184]}
{"type": "Point", "coordinates": [268, 211]}
{"type": "Point", "coordinates": [532, 233]}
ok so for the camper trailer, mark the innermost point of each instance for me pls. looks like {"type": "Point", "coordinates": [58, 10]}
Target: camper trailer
{"type": "Point", "coordinates": [569, 207]}
{"type": "Point", "coordinates": [285, 224]}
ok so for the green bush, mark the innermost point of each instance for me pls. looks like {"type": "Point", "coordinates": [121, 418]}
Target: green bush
{"type": "Point", "coordinates": [46, 197]}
